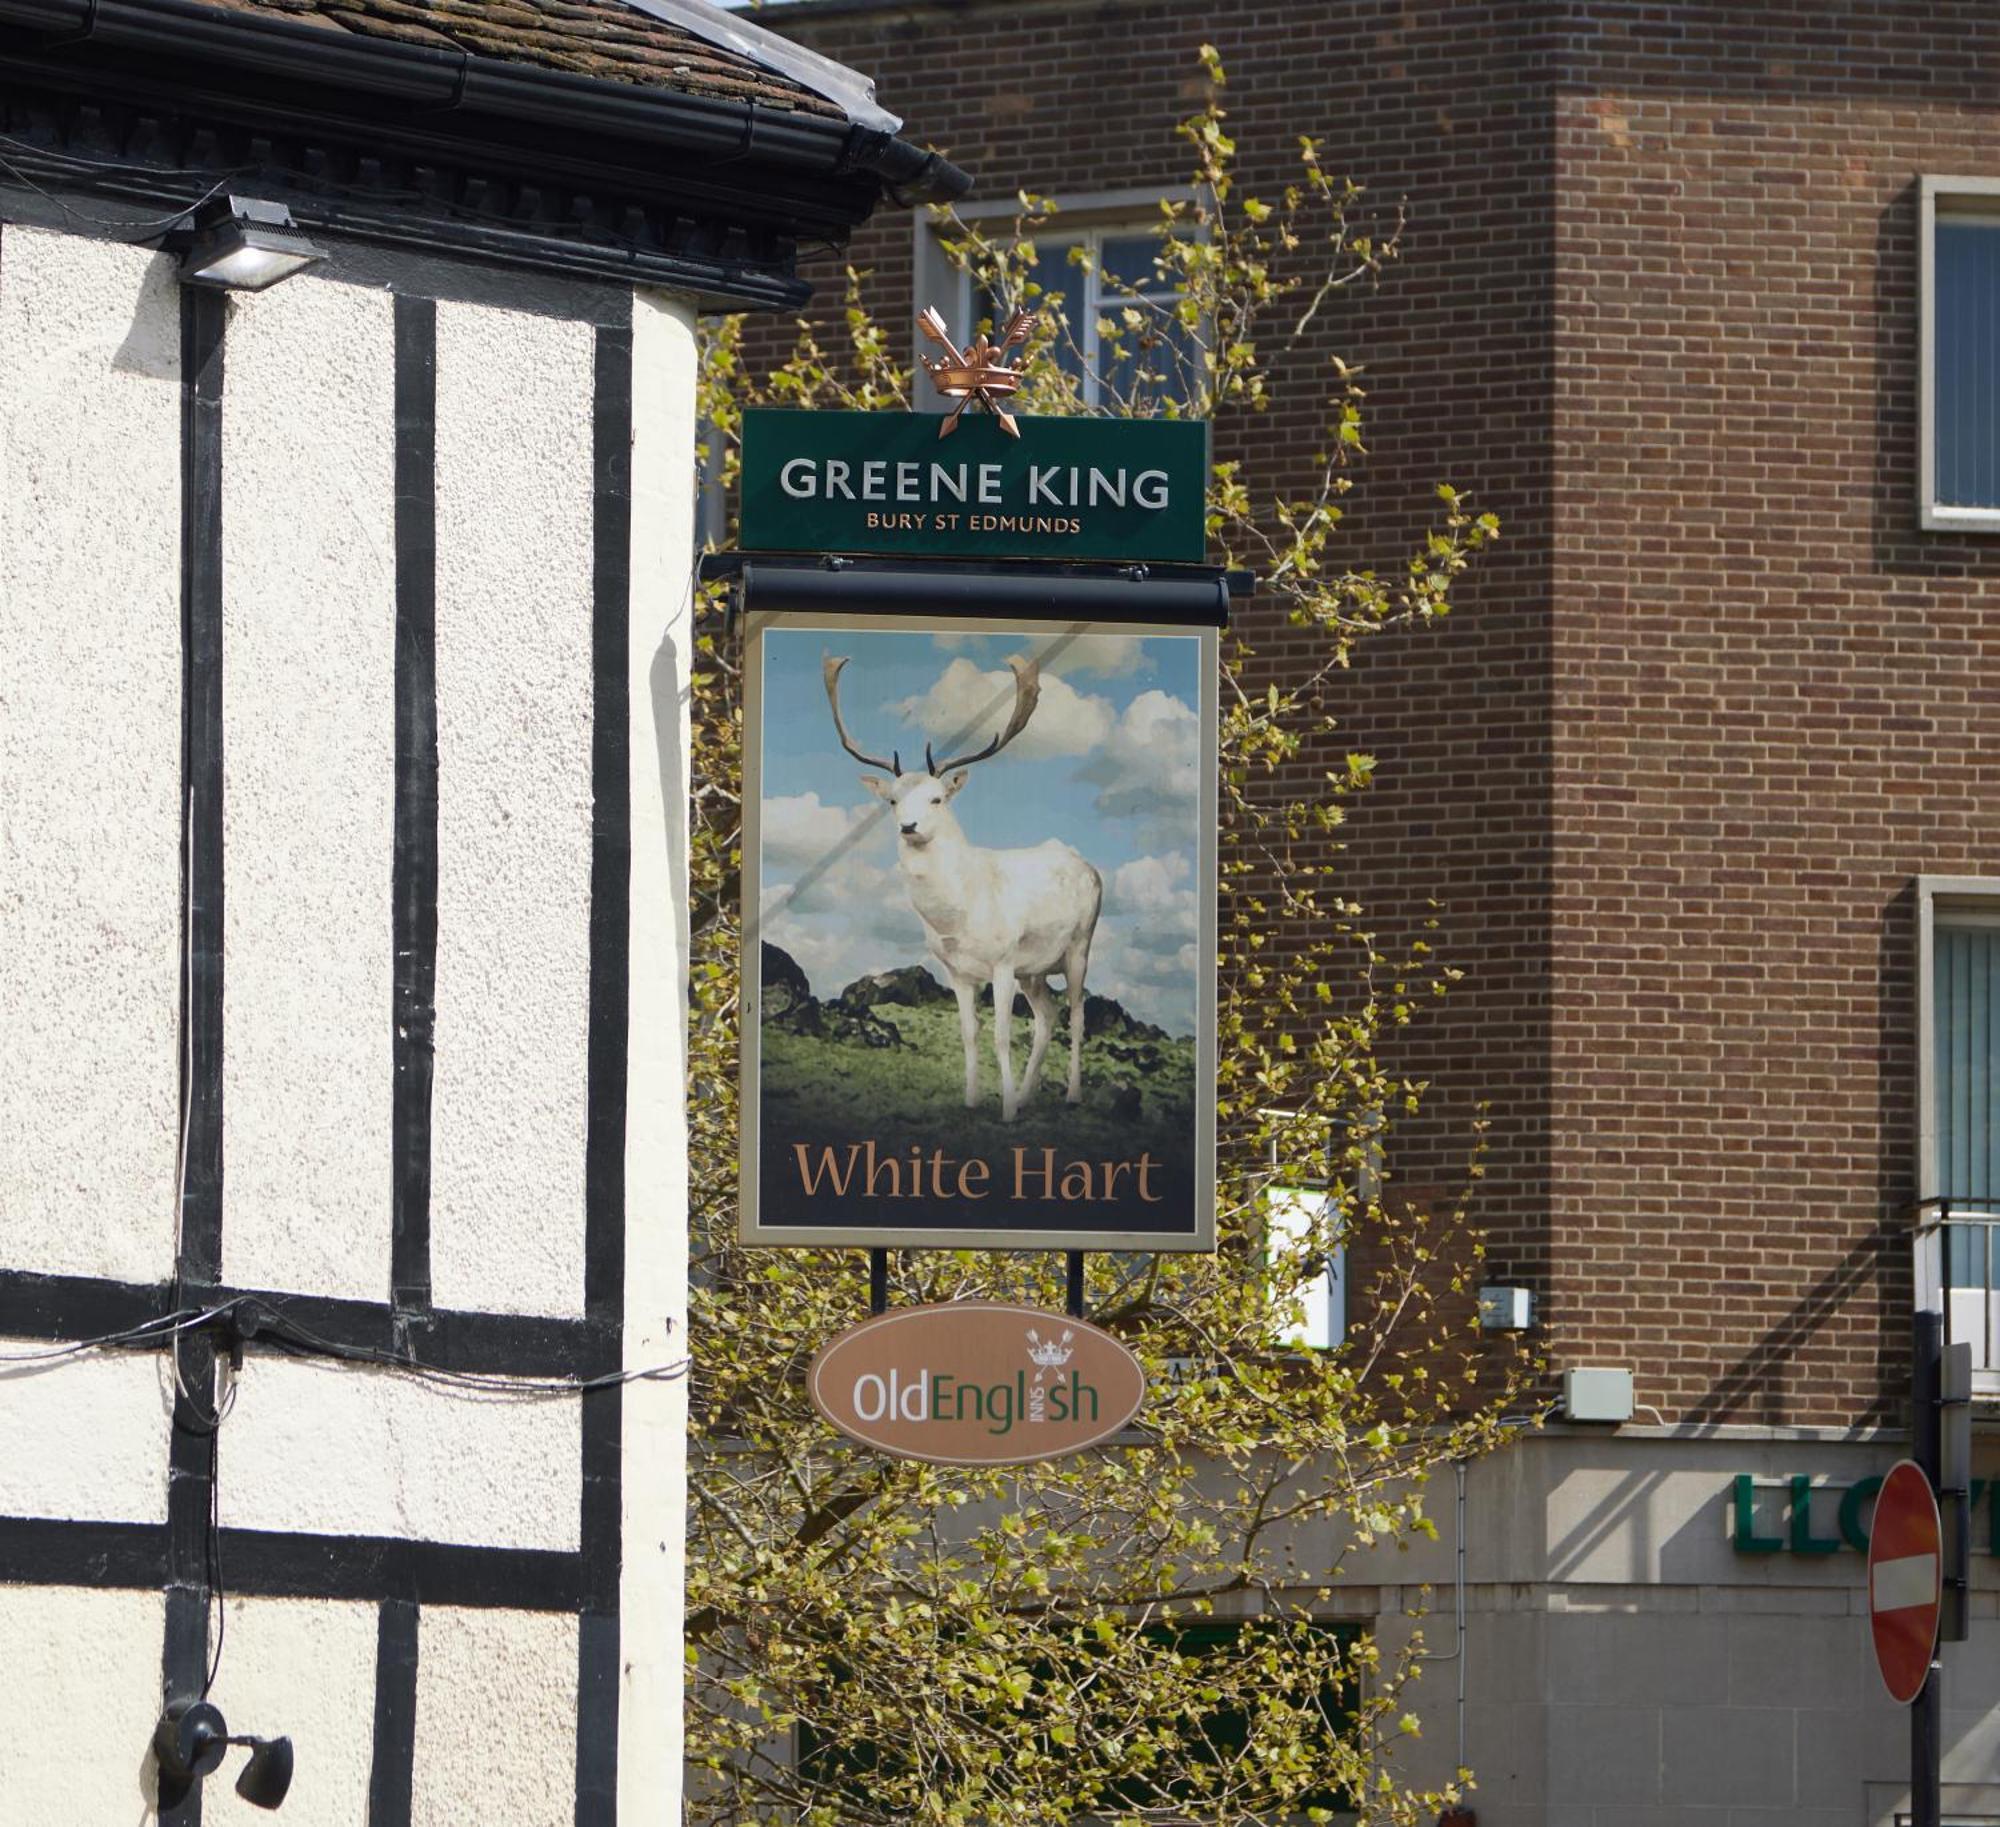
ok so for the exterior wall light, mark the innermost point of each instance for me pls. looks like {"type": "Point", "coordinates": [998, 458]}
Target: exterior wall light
{"type": "Point", "coordinates": [190, 1742]}
{"type": "Point", "coordinates": [244, 244]}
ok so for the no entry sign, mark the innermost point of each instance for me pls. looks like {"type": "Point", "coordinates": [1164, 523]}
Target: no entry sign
{"type": "Point", "coordinates": [1905, 1580]}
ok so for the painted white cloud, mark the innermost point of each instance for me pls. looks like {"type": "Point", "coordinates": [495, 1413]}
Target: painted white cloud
{"type": "Point", "coordinates": [831, 896]}
{"type": "Point", "coordinates": [796, 830]}
{"type": "Point", "coordinates": [1155, 986]}
{"type": "Point", "coordinates": [1149, 767]}
{"type": "Point", "coordinates": [1109, 656]}
{"type": "Point", "coordinates": [1145, 950]}
{"type": "Point", "coordinates": [1151, 884]}
{"type": "Point", "coordinates": [967, 707]}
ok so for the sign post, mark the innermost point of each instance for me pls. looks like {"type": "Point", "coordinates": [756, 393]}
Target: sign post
{"type": "Point", "coordinates": [1906, 1528]}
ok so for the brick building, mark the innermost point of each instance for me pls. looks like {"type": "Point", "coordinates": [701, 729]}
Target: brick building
{"type": "Point", "coordinates": [1701, 300]}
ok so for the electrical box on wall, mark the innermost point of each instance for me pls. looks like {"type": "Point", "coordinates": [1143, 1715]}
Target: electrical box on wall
{"type": "Point", "coordinates": [1597, 1395]}
{"type": "Point", "coordinates": [1506, 1309]}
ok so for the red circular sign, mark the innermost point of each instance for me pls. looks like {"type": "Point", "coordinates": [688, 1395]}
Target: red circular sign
{"type": "Point", "coordinates": [1905, 1580]}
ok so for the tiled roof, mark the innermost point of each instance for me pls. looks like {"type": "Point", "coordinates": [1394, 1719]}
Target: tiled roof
{"type": "Point", "coordinates": [607, 39]}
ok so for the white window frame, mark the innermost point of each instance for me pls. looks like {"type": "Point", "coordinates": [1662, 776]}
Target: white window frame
{"type": "Point", "coordinates": [1979, 199]}
{"type": "Point", "coordinates": [1948, 900]}
{"type": "Point", "coordinates": [1088, 215]}
{"type": "Point", "coordinates": [1290, 1214]}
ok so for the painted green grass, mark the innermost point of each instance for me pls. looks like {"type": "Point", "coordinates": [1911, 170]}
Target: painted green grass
{"type": "Point", "coordinates": [1138, 1093]}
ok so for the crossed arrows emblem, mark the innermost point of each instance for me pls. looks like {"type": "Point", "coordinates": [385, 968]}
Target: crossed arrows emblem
{"type": "Point", "coordinates": [976, 372]}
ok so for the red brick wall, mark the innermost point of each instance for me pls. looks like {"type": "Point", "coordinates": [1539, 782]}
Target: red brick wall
{"type": "Point", "coordinates": [1696, 723]}
{"type": "Point", "coordinates": [1768, 686]}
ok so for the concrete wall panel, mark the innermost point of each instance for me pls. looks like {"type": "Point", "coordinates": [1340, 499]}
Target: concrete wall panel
{"type": "Point", "coordinates": [309, 625]}
{"type": "Point", "coordinates": [343, 1450]}
{"type": "Point", "coordinates": [85, 1436]}
{"type": "Point", "coordinates": [90, 755]}
{"type": "Point", "coordinates": [303, 1669]}
{"type": "Point", "coordinates": [514, 499]}
{"type": "Point", "coordinates": [496, 1719]}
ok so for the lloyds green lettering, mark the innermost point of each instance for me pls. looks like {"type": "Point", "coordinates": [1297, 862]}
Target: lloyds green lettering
{"type": "Point", "coordinates": [1804, 1541]}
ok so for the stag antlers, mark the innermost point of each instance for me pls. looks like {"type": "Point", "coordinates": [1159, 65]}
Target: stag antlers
{"type": "Point", "coordinates": [829, 670]}
{"type": "Point", "coordinates": [1027, 694]}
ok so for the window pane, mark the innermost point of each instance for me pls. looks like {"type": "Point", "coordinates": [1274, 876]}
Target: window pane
{"type": "Point", "coordinates": [1128, 264]}
{"type": "Point", "coordinates": [1965, 999]}
{"type": "Point", "coordinates": [1967, 348]}
{"type": "Point", "coordinates": [1160, 349]}
{"type": "Point", "coordinates": [1965, 1256]}
{"type": "Point", "coordinates": [1051, 272]}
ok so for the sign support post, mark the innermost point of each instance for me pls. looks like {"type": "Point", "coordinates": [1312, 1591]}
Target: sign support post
{"type": "Point", "coordinates": [1927, 1710]}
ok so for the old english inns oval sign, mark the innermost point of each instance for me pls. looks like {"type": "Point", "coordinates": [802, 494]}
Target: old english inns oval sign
{"type": "Point", "coordinates": [976, 1383]}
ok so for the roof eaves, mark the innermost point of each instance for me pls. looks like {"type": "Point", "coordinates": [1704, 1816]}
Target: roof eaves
{"type": "Point", "coordinates": [728, 129]}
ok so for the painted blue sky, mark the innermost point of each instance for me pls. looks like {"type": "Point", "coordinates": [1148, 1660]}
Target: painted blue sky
{"type": "Point", "coordinates": [1109, 764]}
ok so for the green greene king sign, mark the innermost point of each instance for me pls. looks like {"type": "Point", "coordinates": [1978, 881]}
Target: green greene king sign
{"type": "Point", "coordinates": [870, 482]}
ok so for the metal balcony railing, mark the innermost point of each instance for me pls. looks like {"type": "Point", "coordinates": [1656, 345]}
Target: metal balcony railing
{"type": "Point", "coordinates": [1958, 1276]}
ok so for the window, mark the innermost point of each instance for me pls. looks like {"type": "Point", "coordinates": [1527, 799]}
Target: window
{"type": "Point", "coordinates": [1958, 1069]}
{"type": "Point", "coordinates": [1959, 401]}
{"type": "Point", "coordinates": [1293, 1214]}
{"type": "Point", "coordinates": [1099, 254]}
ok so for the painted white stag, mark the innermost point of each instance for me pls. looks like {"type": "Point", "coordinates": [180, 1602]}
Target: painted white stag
{"type": "Point", "coordinates": [1005, 917]}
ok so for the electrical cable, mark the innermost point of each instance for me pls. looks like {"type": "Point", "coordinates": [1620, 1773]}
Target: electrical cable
{"type": "Point", "coordinates": [140, 229]}
{"type": "Point", "coordinates": [282, 1329]}
{"type": "Point", "coordinates": [148, 1332]}
{"type": "Point", "coordinates": [285, 1330]}
{"type": "Point", "coordinates": [214, 1543]}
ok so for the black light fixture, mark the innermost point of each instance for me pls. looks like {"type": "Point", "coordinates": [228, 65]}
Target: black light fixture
{"type": "Point", "coordinates": [244, 244]}
{"type": "Point", "coordinates": [267, 1777]}
{"type": "Point", "coordinates": [190, 1742]}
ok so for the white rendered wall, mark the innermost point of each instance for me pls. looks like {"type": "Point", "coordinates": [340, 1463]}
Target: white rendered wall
{"type": "Point", "coordinates": [514, 552]}
{"type": "Point", "coordinates": [334, 1449]}
{"type": "Point", "coordinates": [90, 755]}
{"type": "Point", "coordinates": [81, 1681]}
{"type": "Point", "coordinates": [309, 714]}
{"type": "Point", "coordinates": [84, 1436]}
{"type": "Point", "coordinates": [303, 1668]}
{"type": "Point", "coordinates": [496, 1719]}
{"type": "Point", "coordinates": [90, 887]}
{"type": "Point", "coordinates": [654, 1584]}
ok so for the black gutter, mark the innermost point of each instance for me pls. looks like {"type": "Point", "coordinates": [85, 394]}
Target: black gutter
{"type": "Point", "coordinates": [428, 78]}
{"type": "Point", "coordinates": [1058, 589]}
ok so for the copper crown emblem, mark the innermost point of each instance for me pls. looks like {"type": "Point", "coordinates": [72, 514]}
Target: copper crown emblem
{"type": "Point", "coordinates": [977, 371]}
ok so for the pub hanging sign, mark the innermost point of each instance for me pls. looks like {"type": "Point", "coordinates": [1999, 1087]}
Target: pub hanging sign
{"type": "Point", "coordinates": [979, 919]}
